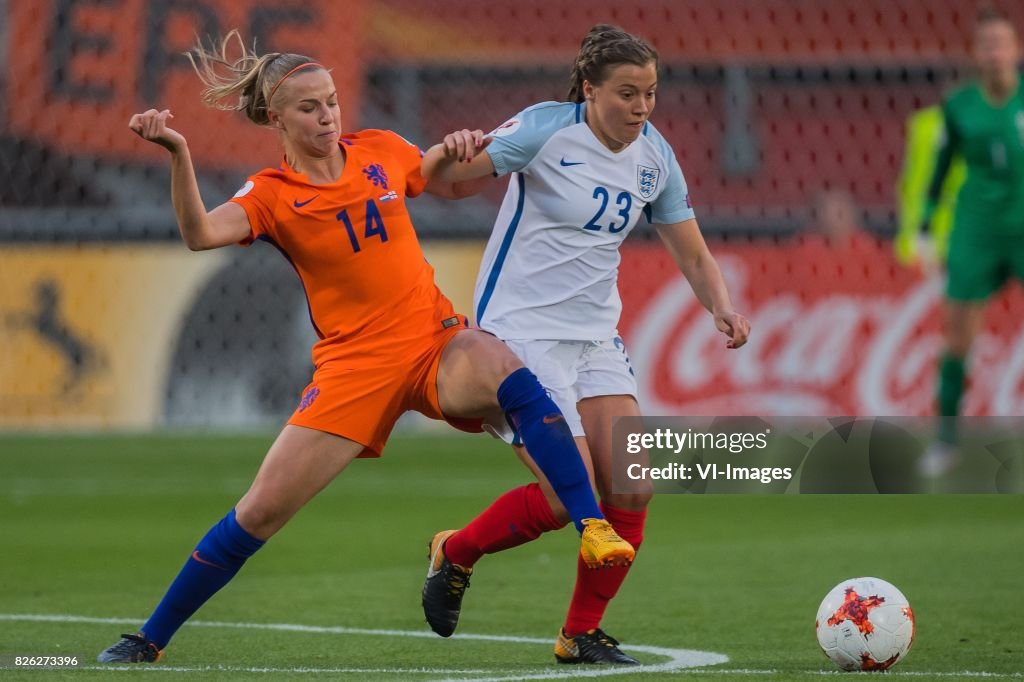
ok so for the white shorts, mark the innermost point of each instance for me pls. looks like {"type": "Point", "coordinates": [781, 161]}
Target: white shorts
{"type": "Point", "coordinates": [574, 370]}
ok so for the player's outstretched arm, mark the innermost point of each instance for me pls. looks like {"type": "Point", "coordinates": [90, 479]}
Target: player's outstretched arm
{"type": "Point", "coordinates": [690, 252]}
{"type": "Point", "coordinates": [459, 166]}
{"type": "Point", "coordinates": [200, 230]}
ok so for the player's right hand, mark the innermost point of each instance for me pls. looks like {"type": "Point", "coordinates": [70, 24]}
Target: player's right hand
{"type": "Point", "coordinates": [152, 125]}
{"type": "Point", "coordinates": [462, 145]}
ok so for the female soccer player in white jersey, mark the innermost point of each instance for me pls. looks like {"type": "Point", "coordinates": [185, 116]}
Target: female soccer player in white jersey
{"type": "Point", "coordinates": [584, 173]}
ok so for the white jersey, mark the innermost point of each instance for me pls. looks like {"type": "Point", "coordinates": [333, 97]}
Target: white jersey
{"type": "Point", "coordinates": [550, 269]}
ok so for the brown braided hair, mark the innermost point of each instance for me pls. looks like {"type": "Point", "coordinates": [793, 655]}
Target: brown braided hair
{"type": "Point", "coordinates": [605, 46]}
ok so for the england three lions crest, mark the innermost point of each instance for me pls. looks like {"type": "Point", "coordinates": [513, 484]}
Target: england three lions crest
{"type": "Point", "coordinates": [647, 180]}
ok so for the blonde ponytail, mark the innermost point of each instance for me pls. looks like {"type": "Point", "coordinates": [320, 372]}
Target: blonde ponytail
{"type": "Point", "coordinates": [252, 77]}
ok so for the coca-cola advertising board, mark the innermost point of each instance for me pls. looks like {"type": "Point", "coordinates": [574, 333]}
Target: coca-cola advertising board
{"type": "Point", "coordinates": [836, 331]}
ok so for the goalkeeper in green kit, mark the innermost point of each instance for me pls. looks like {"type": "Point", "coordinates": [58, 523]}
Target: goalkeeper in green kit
{"type": "Point", "coordinates": [984, 125]}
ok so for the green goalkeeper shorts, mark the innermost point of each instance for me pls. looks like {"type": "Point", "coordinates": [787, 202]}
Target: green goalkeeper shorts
{"type": "Point", "coordinates": [979, 265]}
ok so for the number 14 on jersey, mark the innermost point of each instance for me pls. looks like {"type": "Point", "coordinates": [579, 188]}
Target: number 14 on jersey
{"type": "Point", "coordinates": [374, 225]}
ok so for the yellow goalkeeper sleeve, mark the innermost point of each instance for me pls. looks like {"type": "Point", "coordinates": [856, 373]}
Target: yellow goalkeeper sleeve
{"type": "Point", "coordinates": [924, 139]}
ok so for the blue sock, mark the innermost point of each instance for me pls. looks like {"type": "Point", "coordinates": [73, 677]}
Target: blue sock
{"type": "Point", "coordinates": [215, 561]}
{"type": "Point", "coordinates": [549, 442]}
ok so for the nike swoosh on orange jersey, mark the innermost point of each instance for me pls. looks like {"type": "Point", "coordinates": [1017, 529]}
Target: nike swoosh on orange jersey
{"type": "Point", "coordinates": [552, 418]}
{"type": "Point", "coordinates": [195, 555]}
{"type": "Point", "coordinates": [299, 204]}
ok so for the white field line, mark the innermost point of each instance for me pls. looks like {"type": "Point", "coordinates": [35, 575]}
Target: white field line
{"type": "Point", "coordinates": [972, 674]}
{"type": "Point", "coordinates": [680, 661]}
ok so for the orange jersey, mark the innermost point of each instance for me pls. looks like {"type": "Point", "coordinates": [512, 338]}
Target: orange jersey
{"type": "Point", "coordinates": [351, 242]}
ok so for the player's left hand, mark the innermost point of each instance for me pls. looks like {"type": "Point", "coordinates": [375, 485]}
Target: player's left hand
{"type": "Point", "coordinates": [927, 254]}
{"type": "Point", "coordinates": [733, 325]}
{"type": "Point", "coordinates": [462, 145]}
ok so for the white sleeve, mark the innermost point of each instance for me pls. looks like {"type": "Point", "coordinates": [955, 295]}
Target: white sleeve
{"type": "Point", "coordinates": [516, 141]}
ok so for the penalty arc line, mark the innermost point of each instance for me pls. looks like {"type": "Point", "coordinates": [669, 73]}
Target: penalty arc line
{"type": "Point", "coordinates": [679, 659]}
{"type": "Point", "coordinates": [276, 671]}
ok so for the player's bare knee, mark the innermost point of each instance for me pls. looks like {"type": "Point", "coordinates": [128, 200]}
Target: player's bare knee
{"type": "Point", "coordinates": [958, 344]}
{"type": "Point", "coordinates": [260, 520]}
{"type": "Point", "coordinates": [500, 366]}
{"type": "Point", "coordinates": [631, 501]}
{"type": "Point", "coordinates": [504, 364]}
{"type": "Point", "coordinates": [630, 495]}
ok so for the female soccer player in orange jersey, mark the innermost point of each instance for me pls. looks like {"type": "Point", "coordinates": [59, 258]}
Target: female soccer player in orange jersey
{"type": "Point", "coordinates": [389, 339]}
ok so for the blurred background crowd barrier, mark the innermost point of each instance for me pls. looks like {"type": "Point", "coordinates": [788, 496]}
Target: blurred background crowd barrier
{"type": "Point", "coordinates": [787, 116]}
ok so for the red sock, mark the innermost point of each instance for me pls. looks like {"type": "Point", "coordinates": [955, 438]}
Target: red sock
{"type": "Point", "coordinates": [595, 588]}
{"type": "Point", "coordinates": [515, 518]}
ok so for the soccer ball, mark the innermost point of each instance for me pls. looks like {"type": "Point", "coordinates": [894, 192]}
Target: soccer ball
{"type": "Point", "coordinates": [865, 624]}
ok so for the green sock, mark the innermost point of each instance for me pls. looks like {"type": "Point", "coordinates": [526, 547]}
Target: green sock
{"type": "Point", "coordinates": [952, 376]}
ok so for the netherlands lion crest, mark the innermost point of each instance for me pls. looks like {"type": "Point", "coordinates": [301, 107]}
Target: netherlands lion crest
{"type": "Point", "coordinates": [647, 180]}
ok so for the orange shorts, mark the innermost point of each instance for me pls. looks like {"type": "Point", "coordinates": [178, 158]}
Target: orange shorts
{"type": "Point", "coordinates": [368, 383]}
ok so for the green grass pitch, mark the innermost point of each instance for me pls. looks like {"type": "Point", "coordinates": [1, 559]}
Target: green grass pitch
{"type": "Point", "coordinates": [96, 527]}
